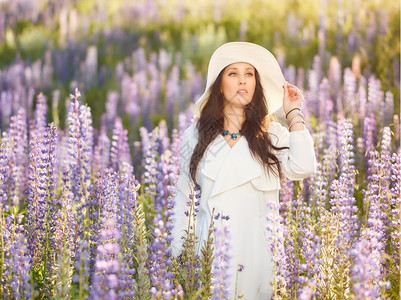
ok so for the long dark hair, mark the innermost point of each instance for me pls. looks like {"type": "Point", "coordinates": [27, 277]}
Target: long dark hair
{"type": "Point", "coordinates": [211, 123]}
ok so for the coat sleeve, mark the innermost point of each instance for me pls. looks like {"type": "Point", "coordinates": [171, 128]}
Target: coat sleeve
{"type": "Point", "coordinates": [184, 188]}
{"type": "Point", "coordinates": [299, 161]}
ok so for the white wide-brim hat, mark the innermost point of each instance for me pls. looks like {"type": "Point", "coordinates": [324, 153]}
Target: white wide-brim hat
{"type": "Point", "coordinates": [271, 77]}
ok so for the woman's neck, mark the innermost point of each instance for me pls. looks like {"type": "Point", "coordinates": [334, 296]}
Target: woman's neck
{"type": "Point", "coordinates": [234, 117]}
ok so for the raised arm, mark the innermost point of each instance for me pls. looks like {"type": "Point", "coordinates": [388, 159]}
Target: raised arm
{"type": "Point", "coordinates": [299, 160]}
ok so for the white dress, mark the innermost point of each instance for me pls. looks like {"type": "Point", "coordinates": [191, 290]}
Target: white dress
{"type": "Point", "coordinates": [233, 183]}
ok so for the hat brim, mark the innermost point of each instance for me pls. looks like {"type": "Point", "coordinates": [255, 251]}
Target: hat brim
{"type": "Point", "coordinates": [271, 76]}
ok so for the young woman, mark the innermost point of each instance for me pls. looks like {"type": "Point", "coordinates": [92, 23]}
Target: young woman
{"type": "Point", "coordinates": [235, 154]}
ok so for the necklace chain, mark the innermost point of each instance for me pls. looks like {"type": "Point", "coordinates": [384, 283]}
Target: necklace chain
{"type": "Point", "coordinates": [234, 135]}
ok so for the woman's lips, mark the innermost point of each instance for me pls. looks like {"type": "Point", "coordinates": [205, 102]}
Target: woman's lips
{"type": "Point", "coordinates": [242, 92]}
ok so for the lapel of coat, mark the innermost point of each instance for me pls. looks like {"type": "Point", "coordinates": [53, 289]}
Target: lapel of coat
{"type": "Point", "coordinates": [229, 167]}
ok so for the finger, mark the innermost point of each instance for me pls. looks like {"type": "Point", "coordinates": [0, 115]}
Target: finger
{"type": "Point", "coordinates": [290, 85]}
{"type": "Point", "coordinates": [285, 90]}
{"type": "Point", "coordinates": [293, 88]}
{"type": "Point", "coordinates": [294, 91]}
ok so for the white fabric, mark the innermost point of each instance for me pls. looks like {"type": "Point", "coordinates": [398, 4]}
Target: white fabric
{"type": "Point", "coordinates": [235, 184]}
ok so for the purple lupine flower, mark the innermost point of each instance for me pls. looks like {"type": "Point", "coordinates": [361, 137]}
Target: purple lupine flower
{"type": "Point", "coordinates": [349, 92]}
{"type": "Point", "coordinates": [222, 263]}
{"type": "Point", "coordinates": [4, 173]}
{"type": "Point", "coordinates": [290, 267]}
{"type": "Point", "coordinates": [160, 250]}
{"type": "Point", "coordinates": [346, 157]}
{"type": "Point", "coordinates": [127, 94]}
{"type": "Point", "coordinates": [375, 97]}
{"type": "Point", "coordinates": [371, 31]}
{"type": "Point", "coordinates": [139, 59]}
{"type": "Point", "coordinates": [120, 160]}
{"type": "Point", "coordinates": [308, 291]}
{"type": "Point", "coordinates": [175, 150]}
{"type": "Point", "coordinates": [352, 40]}
{"type": "Point", "coordinates": [21, 278]}
{"type": "Point", "coordinates": [395, 211]}
{"type": "Point", "coordinates": [304, 266]}
{"type": "Point", "coordinates": [111, 108]}
{"type": "Point", "coordinates": [47, 71]}
{"type": "Point", "coordinates": [365, 270]}
{"type": "Point", "coordinates": [133, 106]}
{"type": "Point", "coordinates": [325, 103]}
{"type": "Point", "coordinates": [319, 188]}
{"type": "Point", "coordinates": [369, 137]}
{"type": "Point", "coordinates": [95, 204]}
{"type": "Point", "coordinates": [126, 206]}
{"type": "Point", "coordinates": [40, 122]}
{"type": "Point", "coordinates": [101, 152]}
{"type": "Point", "coordinates": [65, 231]}
{"type": "Point", "coordinates": [107, 266]}
{"type": "Point", "coordinates": [329, 164]}
{"type": "Point", "coordinates": [165, 60]}
{"type": "Point", "coordinates": [6, 101]}
{"type": "Point", "coordinates": [313, 83]}
{"type": "Point", "coordinates": [317, 69]}
{"type": "Point", "coordinates": [277, 232]}
{"type": "Point", "coordinates": [310, 249]}
{"type": "Point", "coordinates": [286, 197]}
{"type": "Point", "coordinates": [16, 266]}
{"type": "Point", "coordinates": [172, 91]}
{"type": "Point", "coordinates": [150, 144]}
{"type": "Point", "coordinates": [183, 123]}
{"type": "Point", "coordinates": [119, 71]}
{"type": "Point", "coordinates": [162, 136]}
{"type": "Point", "coordinates": [386, 146]}
{"type": "Point", "coordinates": [82, 264]}
{"type": "Point", "coordinates": [42, 202]}
{"type": "Point", "coordinates": [342, 189]}
{"type": "Point", "coordinates": [90, 66]}
{"type": "Point", "coordinates": [290, 74]}
{"type": "Point", "coordinates": [388, 108]}
{"type": "Point", "coordinates": [197, 82]}
{"type": "Point", "coordinates": [188, 87]}
{"type": "Point", "coordinates": [397, 131]}
{"type": "Point", "coordinates": [362, 100]}
{"type": "Point", "coordinates": [80, 142]}
{"type": "Point", "coordinates": [78, 169]}
{"type": "Point", "coordinates": [36, 202]}
{"type": "Point", "coordinates": [17, 142]}
{"type": "Point", "coordinates": [377, 196]}
{"type": "Point", "coordinates": [154, 87]}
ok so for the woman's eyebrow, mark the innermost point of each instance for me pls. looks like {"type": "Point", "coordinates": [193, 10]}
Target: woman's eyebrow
{"type": "Point", "coordinates": [232, 68]}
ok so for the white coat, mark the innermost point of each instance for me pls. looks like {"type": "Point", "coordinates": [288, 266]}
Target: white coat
{"type": "Point", "coordinates": [233, 183]}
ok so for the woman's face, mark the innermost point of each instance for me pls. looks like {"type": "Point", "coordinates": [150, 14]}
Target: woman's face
{"type": "Point", "coordinates": [238, 84]}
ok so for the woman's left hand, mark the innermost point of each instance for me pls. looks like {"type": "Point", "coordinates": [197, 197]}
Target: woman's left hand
{"type": "Point", "coordinates": [293, 97]}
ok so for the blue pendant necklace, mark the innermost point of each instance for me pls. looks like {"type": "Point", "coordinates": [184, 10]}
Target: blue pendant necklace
{"type": "Point", "coordinates": [234, 135]}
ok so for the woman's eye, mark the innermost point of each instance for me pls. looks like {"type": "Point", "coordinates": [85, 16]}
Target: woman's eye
{"type": "Point", "coordinates": [232, 74]}
{"type": "Point", "coordinates": [249, 74]}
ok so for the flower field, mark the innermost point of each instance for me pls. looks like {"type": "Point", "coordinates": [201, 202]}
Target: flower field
{"type": "Point", "coordinates": [94, 99]}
